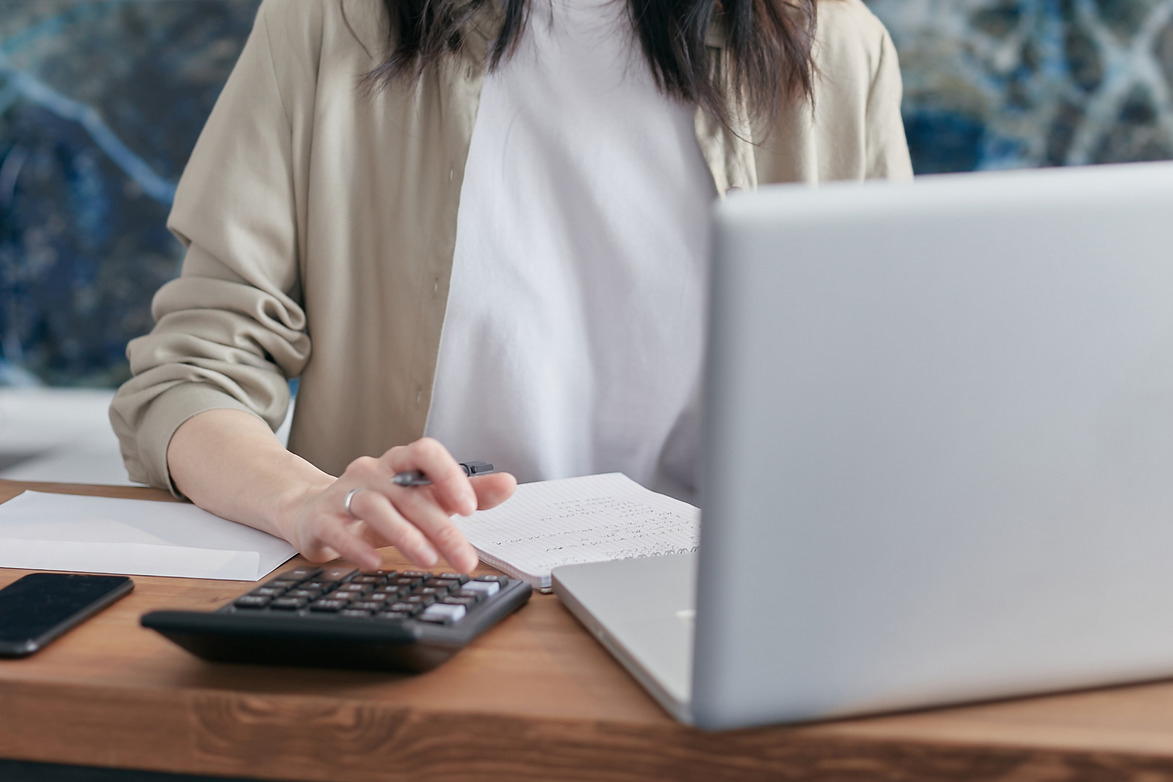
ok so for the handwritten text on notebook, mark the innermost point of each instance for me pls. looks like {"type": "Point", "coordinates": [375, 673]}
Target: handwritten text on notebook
{"type": "Point", "coordinates": [588, 519]}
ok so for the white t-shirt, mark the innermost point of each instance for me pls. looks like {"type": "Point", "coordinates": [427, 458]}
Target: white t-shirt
{"type": "Point", "coordinates": [573, 338]}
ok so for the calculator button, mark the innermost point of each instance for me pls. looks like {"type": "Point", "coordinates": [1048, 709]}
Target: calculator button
{"type": "Point", "coordinates": [337, 573]}
{"type": "Point", "coordinates": [301, 573]}
{"type": "Point", "coordinates": [328, 606]}
{"type": "Point", "coordinates": [251, 601]}
{"type": "Point", "coordinates": [411, 609]}
{"type": "Point", "coordinates": [398, 616]}
{"type": "Point", "coordinates": [385, 594]}
{"type": "Point", "coordinates": [287, 603]}
{"type": "Point", "coordinates": [486, 588]}
{"type": "Point", "coordinates": [467, 602]}
{"type": "Point", "coordinates": [443, 614]}
{"type": "Point", "coordinates": [352, 613]}
{"type": "Point", "coordinates": [474, 596]}
{"type": "Point", "coordinates": [268, 591]}
{"type": "Point", "coordinates": [423, 600]}
{"type": "Point", "coordinates": [459, 578]}
{"type": "Point", "coordinates": [307, 594]}
{"type": "Point", "coordinates": [365, 605]}
{"type": "Point", "coordinates": [434, 591]}
{"type": "Point", "coordinates": [502, 580]}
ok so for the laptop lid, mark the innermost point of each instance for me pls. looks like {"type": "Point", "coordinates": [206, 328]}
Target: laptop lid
{"type": "Point", "coordinates": [939, 432]}
{"type": "Point", "coordinates": [938, 448]}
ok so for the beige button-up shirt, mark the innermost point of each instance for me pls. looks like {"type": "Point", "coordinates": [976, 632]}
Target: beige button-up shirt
{"type": "Point", "coordinates": [320, 222]}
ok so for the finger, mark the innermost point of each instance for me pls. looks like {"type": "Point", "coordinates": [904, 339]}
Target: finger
{"type": "Point", "coordinates": [437, 526]}
{"type": "Point", "coordinates": [450, 486]}
{"type": "Point", "coordinates": [349, 545]}
{"type": "Point", "coordinates": [318, 552]}
{"type": "Point", "coordinates": [384, 525]}
{"type": "Point", "coordinates": [493, 489]}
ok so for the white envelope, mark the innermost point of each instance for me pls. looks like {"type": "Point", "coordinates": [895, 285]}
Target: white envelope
{"type": "Point", "coordinates": [41, 531]}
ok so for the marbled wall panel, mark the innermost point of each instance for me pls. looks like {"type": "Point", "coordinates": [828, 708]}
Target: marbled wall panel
{"type": "Point", "coordinates": [101, 101]}
{"type": "Point", "coordinates": [100, 105]}
{"type": "Point", "coordinates": [1025, 83]}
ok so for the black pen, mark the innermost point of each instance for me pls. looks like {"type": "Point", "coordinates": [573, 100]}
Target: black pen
{"type": "Point", "coordinates": [417, 478]}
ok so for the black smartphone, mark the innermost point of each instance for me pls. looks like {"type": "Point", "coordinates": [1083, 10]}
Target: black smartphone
{"type": "Point", "coordinates": [39, 607]}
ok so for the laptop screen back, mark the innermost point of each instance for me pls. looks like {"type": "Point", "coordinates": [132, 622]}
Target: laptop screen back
{"type": "Point", "coordinates": [939, 443]}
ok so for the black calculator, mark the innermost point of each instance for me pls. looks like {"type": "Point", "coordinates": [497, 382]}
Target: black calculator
{"type": "Point", "coordinates": [339, 617]}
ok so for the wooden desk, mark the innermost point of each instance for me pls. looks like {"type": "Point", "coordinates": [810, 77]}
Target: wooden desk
{"type": "Point", "coordinates": [535, 699]}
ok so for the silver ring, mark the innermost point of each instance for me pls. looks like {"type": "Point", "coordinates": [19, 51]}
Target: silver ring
{"type": "Point", "coordinates": [346, 502]}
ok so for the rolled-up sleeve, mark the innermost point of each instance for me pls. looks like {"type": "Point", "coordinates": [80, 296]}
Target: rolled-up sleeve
{"type": "Point", "coordinates": [887, 146]}
{"type": "Point", "coordinates": [230, 331]}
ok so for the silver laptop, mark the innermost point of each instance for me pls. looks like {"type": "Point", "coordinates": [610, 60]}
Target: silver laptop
{"type": "Point", "coordinates": [938, 453]}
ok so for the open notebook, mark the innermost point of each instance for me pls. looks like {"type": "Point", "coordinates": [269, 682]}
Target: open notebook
{"type": "Point", "coordinates": [594, 518]}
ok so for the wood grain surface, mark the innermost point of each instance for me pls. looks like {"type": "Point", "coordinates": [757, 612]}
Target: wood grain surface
{"type": "Point", "coordinates": [535, 699]}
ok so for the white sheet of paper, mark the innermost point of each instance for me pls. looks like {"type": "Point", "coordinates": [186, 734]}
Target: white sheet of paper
{"type": "Point", "coordinates": [593, 518]}
{"type": "Point", "coordinates": [42, 531]}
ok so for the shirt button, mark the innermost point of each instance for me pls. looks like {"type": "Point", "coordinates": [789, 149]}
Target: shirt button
{"type": "Point", "coordinates": [733, 189]}
{"type": "Point", "coordinates": [419, 396]}
{"type": "Point", "coordinates": [451, 174]}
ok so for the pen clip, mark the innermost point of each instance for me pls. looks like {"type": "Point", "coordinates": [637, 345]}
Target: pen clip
{"type": "Point", "coordinates": [476, 468]}
{"type": "Point", "coordinates": [417, 478]}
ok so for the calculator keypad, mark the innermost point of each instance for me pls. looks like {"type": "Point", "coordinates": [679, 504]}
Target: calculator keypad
{"type": "Point", "coordinates": [339, 617]}
{"type": "Point", "coordinates": [436, 598]}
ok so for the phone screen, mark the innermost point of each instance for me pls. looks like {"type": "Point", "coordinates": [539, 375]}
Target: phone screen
{"type": "Point", "coordinates": [41, 606]}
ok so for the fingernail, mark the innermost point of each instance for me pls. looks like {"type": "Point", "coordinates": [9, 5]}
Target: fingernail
{"type": "Point", "coordinates": [426, 556]}
{"type": "Point", "coordinates": [371, 562]}
{"type": "Point", "coordinates": [469, 502]}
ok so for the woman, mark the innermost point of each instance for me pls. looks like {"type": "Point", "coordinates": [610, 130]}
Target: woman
{"type": "Point", "coordinates": [480, 223]}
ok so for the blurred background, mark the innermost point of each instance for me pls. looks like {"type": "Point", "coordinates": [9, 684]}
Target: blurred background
{"type": "Point", "coordinates": [101, 102]}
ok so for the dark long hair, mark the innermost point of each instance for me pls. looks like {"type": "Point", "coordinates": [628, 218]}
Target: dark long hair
{"type": "Point", "coordinates": [768, 42]}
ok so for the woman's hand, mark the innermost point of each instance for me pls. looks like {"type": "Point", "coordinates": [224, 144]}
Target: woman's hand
{"type": "Point", "coordinates": [229, 462]}
{"type": "Point", "coordinates": [414, 519]}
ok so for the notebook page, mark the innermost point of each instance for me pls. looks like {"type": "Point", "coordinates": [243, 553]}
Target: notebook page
{"type": "Point", "coordinates": [589, 519]}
